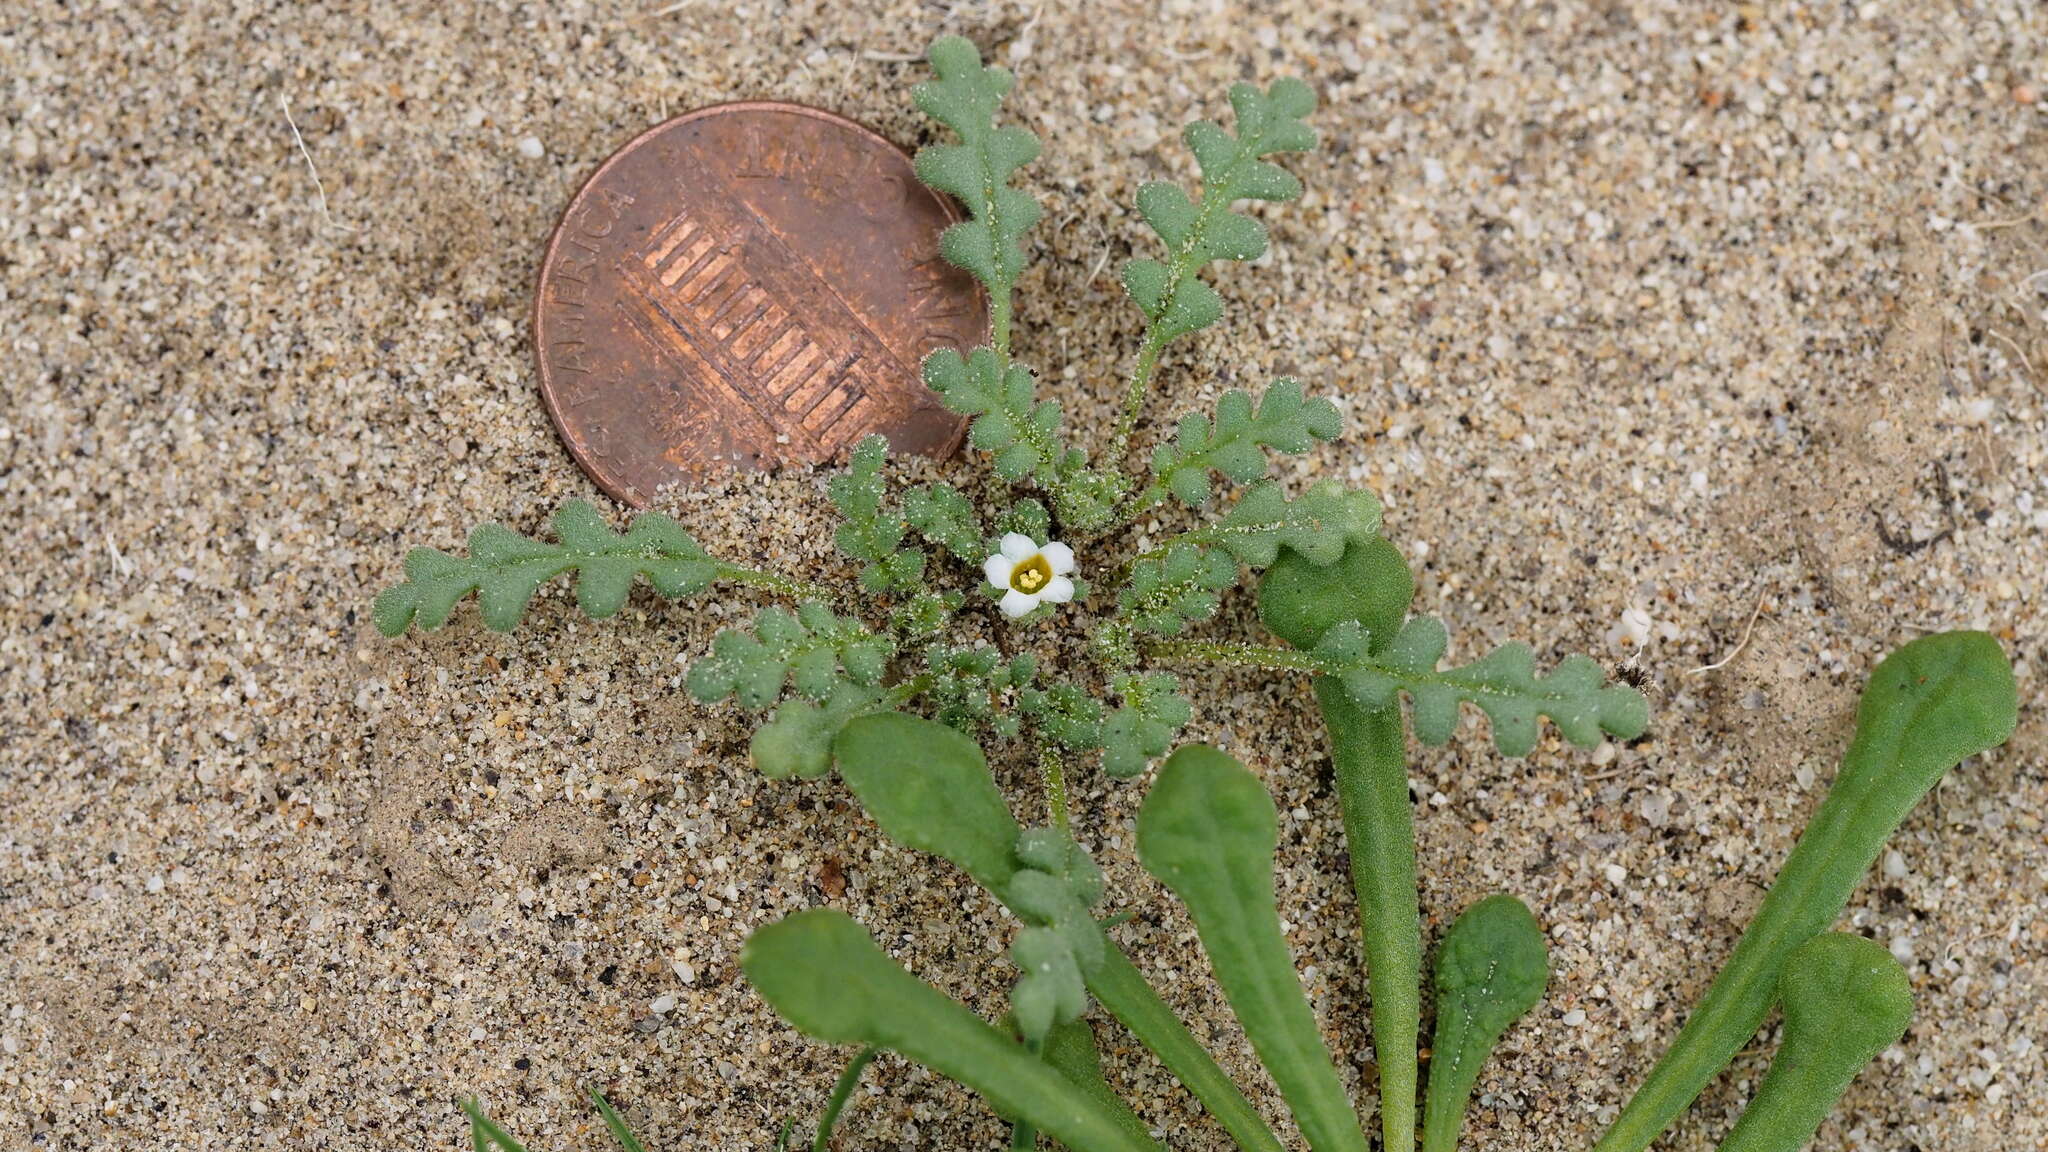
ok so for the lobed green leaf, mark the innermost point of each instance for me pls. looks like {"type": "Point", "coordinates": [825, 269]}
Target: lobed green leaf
{"type": "Point", "coordinates": [964, 95]}
{"type": "Point", "coordinates": [1068, 715]}
{"type": "Point", "coordinates": [869, 532]}
{"type": "Point", "coordinates": [943, 516]}
{"type": "Point", "coordinates": [1061, 948]}
{"type": "Point", "coordinates": [1575, 695]}
{"type": "Point", "coordinates": [967, 683]}
{"type": "Point", "coordinates": [1171, 294]}
{"type": "Point", "coordinates": [1236, 442]}
{"type": "Point", "coordinates": [1055, 885]}
{"type": "Point", "coordinates": [506, 569]}
{"type": "Point", "coordinates": [1009, 420]}
{"type": "Point", "coordinates": [1180, 586]}
{"type": "Point", "coordinates": [1318, 525]}
{"type": "Point", "coordinates": [1150, 714]}
{"type": "Point", "coordinates": [812, 650]}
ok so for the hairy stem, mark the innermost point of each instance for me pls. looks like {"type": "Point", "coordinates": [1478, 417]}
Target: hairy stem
{"type": "Point", "coordinates": [1368, 749]}
{"type": "Point", "coordinates": [1236, 655]}
{"type": "Point", "coordinates": [999, 307]}
{"type": "Point", "coordinates": [1053, 771]}
{"type": "Point", "coordinates": [774, 582]}
{"type": "Point", "coordinates": [1148, 360]}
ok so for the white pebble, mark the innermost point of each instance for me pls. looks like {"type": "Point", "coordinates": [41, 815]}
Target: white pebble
{"type": "Point", "coordinates": [1574, 1018]}
{"type": "Point", "coordinates": [1978, 410]}
{"type": "Point", "coordinates": [154, 885]}
{"type": "Point", "coordinates": [1894, 864]}
{"type": "Point", "coordinates": [662, 1005]}
{"type": "Point", "coordinates": [531, 148]}
{"type": "Point", "coordinates": [685, 973]}
{"type": "Point", "coordinates": [1902, 949]}
{"type": "Point", "coordinates": [1616, 874]}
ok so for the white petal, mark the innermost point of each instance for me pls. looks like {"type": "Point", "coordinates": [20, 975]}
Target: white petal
{"type": "Point", "coordinates": [1059, 590]}
{"type": "Point", "coordinates": [998, 570]}
{"type": "Point", "coordinates": [1019, 547]}
{"type": "Point", "coordinates": [1016, 603]}
{"type": "Point", "coordinates": [1059, 556]}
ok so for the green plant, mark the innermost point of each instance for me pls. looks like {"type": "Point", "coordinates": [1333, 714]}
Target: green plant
{"type": "Point", "coordinates": [868, 680]}
{"type": "Point", "coordinates": [816, 668]}
{"type": "Point", "coordinates": [1207, 831]}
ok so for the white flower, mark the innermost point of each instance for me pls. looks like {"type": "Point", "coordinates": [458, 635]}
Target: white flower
{"type": "Point", "coordinates": [1028, 575]}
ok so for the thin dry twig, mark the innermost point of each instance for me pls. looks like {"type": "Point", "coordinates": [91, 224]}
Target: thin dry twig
{"type": "Point", "coordinates": [318, 187]}
{"type": "Point", "coordinates": [666, 10]}
{"type": "Point", "coordinates": [2014, 345]}
{"type": "Point", "coordinates": [1747, 630]}
{"type": "Point", "coordinates": [1990, 224]}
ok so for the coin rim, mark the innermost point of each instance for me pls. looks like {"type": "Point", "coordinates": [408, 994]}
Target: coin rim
{"type": "Point", "coordinates": [570, 440]}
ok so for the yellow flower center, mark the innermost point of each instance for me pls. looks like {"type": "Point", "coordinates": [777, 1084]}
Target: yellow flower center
{"type": "Point", "coordinates": [1030, 577]}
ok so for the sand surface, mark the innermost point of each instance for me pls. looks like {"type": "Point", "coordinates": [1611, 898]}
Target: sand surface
{"type": "Point", "coordinates": [1643, 315]}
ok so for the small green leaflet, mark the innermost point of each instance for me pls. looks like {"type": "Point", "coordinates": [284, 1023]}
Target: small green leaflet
{"type": "Point", "coordinates": [1067, 715]}
{"type": "Point", "coordinates": [967, 684]}
{"type": "Point", "coordinates": [1503, 684]}
{"type": "Point", "coordinates": [1008, 421]}
{"type": "Point", "coordinates": [1235, 443]}
{"type": "Point", "coordinates": [1052, 891]}
{"type": "Point", "coordinates": [797, 740]}
{"type": "Point", "coordinates": [1151, 714]}
{"type": "Point", "coordinates": [870, 532]}
{"type": "Point", "coordinates": [1171, 294]}
{"type": "Point", "coordinates": [946, 518]}
{"type": "Point", "coordinates": [1318, 525]}
{"type": "Point", "coordinates": [506, 569]}
{"type": "Point", "coordinates": [813, 650]}
{"type": "Point", "coordinates": [1180, 587]}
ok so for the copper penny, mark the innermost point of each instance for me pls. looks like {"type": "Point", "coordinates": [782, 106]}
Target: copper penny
{"type": "Point", "coordinates": [743, 286]}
